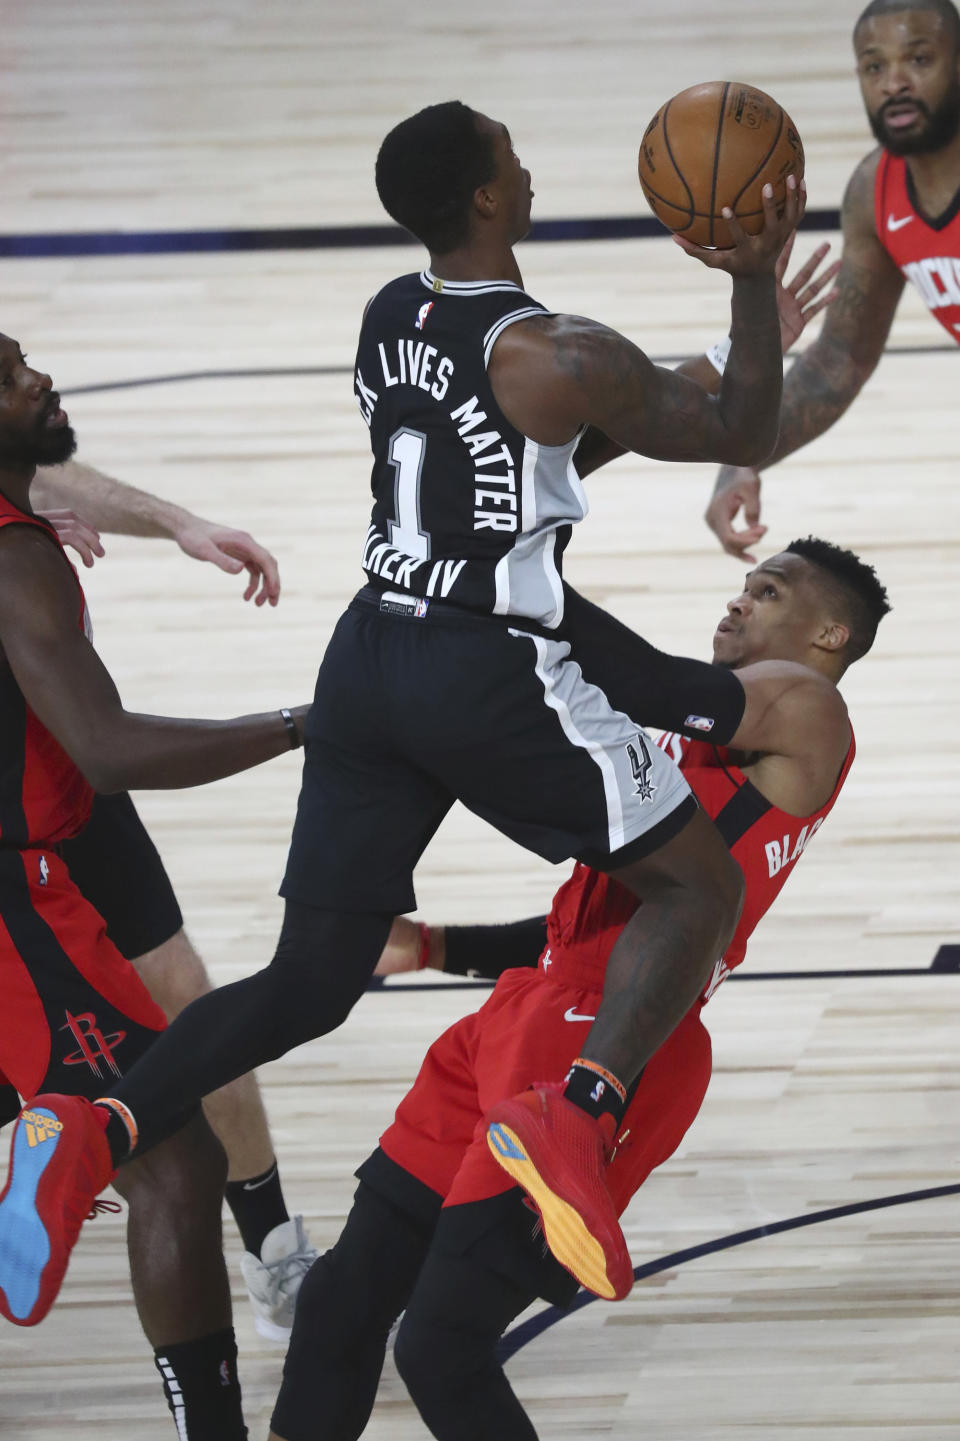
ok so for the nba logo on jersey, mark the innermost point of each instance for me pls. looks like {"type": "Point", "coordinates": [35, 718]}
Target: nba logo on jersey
{"type": "Point", "coordinates": [44, 871]}
{"type": "Point", "coordinates": [421, 608]}
{"type": "Point", "coordinates": [422, 314]}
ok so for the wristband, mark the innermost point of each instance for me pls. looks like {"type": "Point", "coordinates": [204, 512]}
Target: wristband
{"type": "Point", "coordinates": [296, 741]}
{"type": "Point", "coordinates": [424, 958]}
{"type": "Point", "coordinates": [718, 354]}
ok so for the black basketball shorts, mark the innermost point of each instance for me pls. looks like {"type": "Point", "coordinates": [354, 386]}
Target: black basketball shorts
{"type": "Point", "coordinates": [116, 867]}
{"type": "Point", "coordinates": [419, 704]}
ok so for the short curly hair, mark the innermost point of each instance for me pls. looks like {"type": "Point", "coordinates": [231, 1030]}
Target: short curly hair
{"type": "Point", "coordinates": [427, 170]}
{"type": "Point", "coordinates": [945, 9]}
{"type": "Point", "coordinates": [852, 585]}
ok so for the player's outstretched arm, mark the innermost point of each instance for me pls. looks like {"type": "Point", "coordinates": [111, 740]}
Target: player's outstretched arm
{"type": "Point", "coordinates": [69, 689]}
{"type": "Point", "coordinates": [799, 299]}
{"type": "Point", "coordinates": [830, 373]}
{"type": "Point", "coordinates": [65, 493]}
{"type": "Point", "coordinates": [552, 373]}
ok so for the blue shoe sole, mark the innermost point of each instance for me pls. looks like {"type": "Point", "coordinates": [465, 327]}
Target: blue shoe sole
{"type": "Point", "coordinates": [24, 1243]}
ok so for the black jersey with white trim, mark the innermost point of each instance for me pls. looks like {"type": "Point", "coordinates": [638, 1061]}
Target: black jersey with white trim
{"type": "Point", "coordinates": [466, 508]}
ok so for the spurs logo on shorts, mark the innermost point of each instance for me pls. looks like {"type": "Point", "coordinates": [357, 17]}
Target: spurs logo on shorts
{"type": "Point", "coordinates": [640, 769]}
{"type": "Point", "coordinates": [93, 1045]}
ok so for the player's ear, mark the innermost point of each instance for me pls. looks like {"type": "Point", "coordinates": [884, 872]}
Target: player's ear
{"type": "Point", "coordinates": [833, 636]}
{"type": "Point", "coordinates": [485, 202]}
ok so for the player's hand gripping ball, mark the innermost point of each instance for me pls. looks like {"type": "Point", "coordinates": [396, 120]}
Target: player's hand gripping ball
{"type": "Point", "coordinates": [717, 145]}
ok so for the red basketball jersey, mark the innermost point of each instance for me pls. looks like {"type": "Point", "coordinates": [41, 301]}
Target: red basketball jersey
{"type": "Point", "coordinates": [927, 252]}
{"type": "Point", "coordinates": [590, 910]}
{"type": "Point", "coordinates": [43, 796]}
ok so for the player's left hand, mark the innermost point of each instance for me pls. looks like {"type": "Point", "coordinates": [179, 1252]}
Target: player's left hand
{"type": "Point", "coordinates": [233, 551]}
{"type": "Point", "coordinates": [74, 531]}
{"type": "Point", "coordinates": [802, 299]}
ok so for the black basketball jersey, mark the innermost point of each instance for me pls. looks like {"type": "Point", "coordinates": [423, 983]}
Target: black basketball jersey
{"type": "Point", "coordinates": [466, 508]}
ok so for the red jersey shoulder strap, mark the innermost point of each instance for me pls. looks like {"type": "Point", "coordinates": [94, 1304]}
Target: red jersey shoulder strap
{"type": "Point", "coordinates": [11, 514]}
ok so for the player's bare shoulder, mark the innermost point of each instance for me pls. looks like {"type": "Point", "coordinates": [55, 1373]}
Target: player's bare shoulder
{"type": "Point", "coordinates": [547, 370]}
{"type": "Point", "coordinates": [35, 575]}
{"type": "Point", "coordinates": [791, 710]}
{"type": "Point", "coordinates": [857, 209]}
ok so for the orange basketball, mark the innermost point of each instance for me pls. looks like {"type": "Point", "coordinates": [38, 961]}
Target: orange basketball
{"type": "Point", "coordinates": [713, 145]}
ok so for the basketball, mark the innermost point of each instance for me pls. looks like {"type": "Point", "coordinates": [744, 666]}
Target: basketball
{"type": "Point", "coordinates": [717, 145]}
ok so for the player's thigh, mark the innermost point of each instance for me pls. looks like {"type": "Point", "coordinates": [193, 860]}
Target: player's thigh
{"type": "Point", "coordinates": [173, 974]}
{"type": "Point", "coordinates": [366, 811]}
{"type": "Point", "coordinates": [540, 753]}
{"type": "Point", "coordinates": [436, 1121]}
{"type": "Point", "coordinates": [117, 868]}
{"type": "Point", "coordinates": [76, 1015]}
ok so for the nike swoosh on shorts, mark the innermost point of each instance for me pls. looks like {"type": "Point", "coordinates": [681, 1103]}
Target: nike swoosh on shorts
{"type": "Point", "coordinates": [572, 1014]}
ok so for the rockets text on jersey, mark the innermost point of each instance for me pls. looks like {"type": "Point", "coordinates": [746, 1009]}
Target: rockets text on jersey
{"type": "Point", "coordinates": [466, 508]}
{"type": "Point", "coordinates": [927, 252]}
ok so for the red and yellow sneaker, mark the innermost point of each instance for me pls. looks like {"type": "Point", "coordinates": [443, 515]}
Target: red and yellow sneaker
{"type": "Point", "coordinates": [557, 1154]}
{"type": "Point", "coordinates": [59, 1162]}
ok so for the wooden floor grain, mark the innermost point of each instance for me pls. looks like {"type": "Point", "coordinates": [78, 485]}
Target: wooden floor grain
{"type": "Point", "coordinates": [827, 1092]}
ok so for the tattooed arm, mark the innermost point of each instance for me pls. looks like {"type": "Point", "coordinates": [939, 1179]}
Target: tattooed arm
{"type": "Point", "coordinates": [554, 374]}
{"type": "Point", "coordinates": [828, 376]}
{"type": "Point", "coordinates": [798, 301]}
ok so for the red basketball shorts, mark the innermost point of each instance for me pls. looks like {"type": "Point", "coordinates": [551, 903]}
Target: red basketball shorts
{"type": "Point", "coordinates": [530, 1030]}
{"type": "Point", "coordinates": [75, 1014]}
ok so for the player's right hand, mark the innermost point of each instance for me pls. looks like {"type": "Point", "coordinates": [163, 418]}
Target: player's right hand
{"type": "Point", "coordinates": [755, 254]}
{"type": "Point", "coordinates": [737, 488]}
{"type": "Point", "coordinates": [74, 531]}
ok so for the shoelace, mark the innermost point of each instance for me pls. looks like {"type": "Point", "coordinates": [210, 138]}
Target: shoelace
{"type": "Point", "coordinates": [294, 1266]}
{"type": "Point", "coordinates": [100, 1206]}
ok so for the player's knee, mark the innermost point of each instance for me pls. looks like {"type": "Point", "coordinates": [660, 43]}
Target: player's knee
{"type": "Point", "coordinates": [416, 1360]}
{"type": "Point", "coordinates": [318, 1304]}
{"type": "Point", "coordinates": [185, 1173]}
{"type": "Point", "coordinates": [435, 1360]}
{"type": "Point", "coordinates": [325, 959]}
{"type": "Point", "coordinates": [727, 894]}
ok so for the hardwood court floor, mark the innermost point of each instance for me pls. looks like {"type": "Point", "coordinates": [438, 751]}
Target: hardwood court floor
{"type": "Point", "coordinates": [827, 1092]}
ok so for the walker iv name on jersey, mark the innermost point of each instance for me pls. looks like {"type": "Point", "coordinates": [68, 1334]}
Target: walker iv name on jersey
{"type": "Point", "coordinates": [465, 506]}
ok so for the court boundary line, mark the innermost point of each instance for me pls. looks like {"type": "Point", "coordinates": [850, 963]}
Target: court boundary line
{"type": "Point", "coordinates": [287, 371]}
{"type": "Point", "coordinates": [75, 244]}
{"type": "Point", "coordinates": [529, 1330]}
{"type": "Point", "coordinates": [396, 985]}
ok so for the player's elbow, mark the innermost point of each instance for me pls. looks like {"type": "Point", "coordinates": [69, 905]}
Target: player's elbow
{"type": "Point", "coordinates": [751, 447]}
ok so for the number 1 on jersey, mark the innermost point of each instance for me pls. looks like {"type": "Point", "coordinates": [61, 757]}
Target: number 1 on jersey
{"type": "Point", "coordinates": [406, 452]}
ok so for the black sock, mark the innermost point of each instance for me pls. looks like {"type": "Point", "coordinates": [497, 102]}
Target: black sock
{"type": "Point", "coordinates": [258, 1206]}
{"type": "Point", "coordinates": [202, 1387]}
{"type": "Point", "coordinates": [595, 1091]}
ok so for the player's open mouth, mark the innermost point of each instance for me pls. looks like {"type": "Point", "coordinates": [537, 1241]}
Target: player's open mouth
{"type": "Point", "coordinates": [55, 416]}
{"type": "Point", "coordinates": [901, 117]}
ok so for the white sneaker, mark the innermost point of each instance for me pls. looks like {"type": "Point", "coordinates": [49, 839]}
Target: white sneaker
{"type": "Point", "coordinates": [273, 1278]}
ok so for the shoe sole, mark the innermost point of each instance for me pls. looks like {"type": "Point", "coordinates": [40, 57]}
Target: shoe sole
{"type": "Point", "coordinates": [270, 1331]}
{"type": "Point", "coordinates": [24, 1242]}
{"type": "Point", "coordinates": [566, 1232]}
